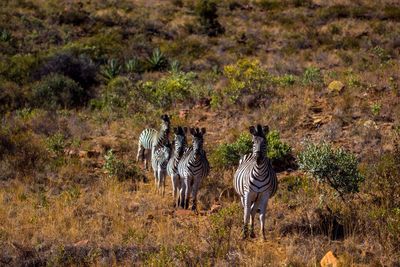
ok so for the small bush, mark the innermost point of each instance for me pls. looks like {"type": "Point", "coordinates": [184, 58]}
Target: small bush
{"type": "Point", "coordinates": [208, 17]}
{"type": "Point", "coordinates": [228, 155]}
{"type": "Point", "coordinates": [11, 97]}
{"type": "Point", "coordinates": [170, 89]}
{"type": "Point", "coordinates": [335, 167]}
{"type": "Point", "coordinates": [58, 91]}
{"type": "Point", "coordinates": [313, 76]}
{"type": "Point", "coordinates": [245, 77]}
{"type": "Point", "coordinates": [79, 68]}
{"type": "Point", "coordinates": [117, 168]}
{"type": "Point", "coordinates": [19, 68]}
{"type": "Point", "coordinates": [118, 92]}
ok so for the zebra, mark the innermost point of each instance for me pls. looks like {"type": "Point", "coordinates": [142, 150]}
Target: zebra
{"type": "Point", "coordinates": [192, 169]}
{"type": "Point", "coordinates": [149, 137]}
{"type": "Point", "coordinates": [160, 155]}
{"type": "Point", "coordinates": [172, 169]}
{"type": "Point", "coordinates": [255, 181]}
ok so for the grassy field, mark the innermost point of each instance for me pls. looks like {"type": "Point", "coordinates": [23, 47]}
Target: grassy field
{"type": "Point", "coordinates": [79, 81]}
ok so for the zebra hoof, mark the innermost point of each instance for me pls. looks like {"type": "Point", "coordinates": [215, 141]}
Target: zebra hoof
{"type": "Point", "coordinates": [252, 234]}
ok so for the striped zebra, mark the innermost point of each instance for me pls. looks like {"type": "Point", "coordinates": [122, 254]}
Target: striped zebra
{"type": "Point", "coordinates": [172, 169]}
{"type": "Point", "coordinates": [255, 181]}
{"type": "Point", "coordinates": [160, 155]}
{"type": "Point", "coordinates": [149, 137]}
{"type": "Point", "coordinates": [193, 168]}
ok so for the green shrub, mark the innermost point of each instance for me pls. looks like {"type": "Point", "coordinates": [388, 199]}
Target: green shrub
{"type": "Point", "coordinates": [313, 76]}
{"type": "Point", "coordinates": [11, 97]}
{"type": "Point", "coordinates": [117, 168]}
{"type": "Point", "coordinates": [19, 67]}
{"type": "Point", "coordinates": [208, 17]}
{"type": "Point", "coordinates": [169, 90]}
{"type": "Point", "coordinates": [228, 155]}
{"type": "Point", "coordinates": [56, 143]}
{"type": "Point", "coordinates": [245, 77]}
{"type": "Point", "coordinates": [118, 92]}
{"type": "Point", "coordinates": [335, 167]}
{"type": "Point", "coordinates": [276, 149]}
{"type": "Point", "coordinates": [58, 91]}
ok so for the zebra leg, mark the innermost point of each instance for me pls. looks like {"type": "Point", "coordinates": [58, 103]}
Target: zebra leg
{"type": "Point", "coordinates": [174, 188]}
{"type": "Point", "coordinates": [163, 182]}
{"type": "Point", "coordinates": [246, 215]}
{"type": "Point", "coordinates": [140, 153]}
{"type": "Point", "coordinates": [187, 192]}
{"type": "Point", "coordinates": [195, 189]}
{"type": "Point", "coordinates": [263, 210]}
{"type": "Point", "coordinates": [253, 212]}
{"type": "Point", "coordinates": [182, 195]}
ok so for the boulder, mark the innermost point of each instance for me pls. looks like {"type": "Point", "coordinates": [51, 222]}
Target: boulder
{"type": "Point", "coordinates": [329, 260]}
{"type": "Point", "coordinates": [336, 87]}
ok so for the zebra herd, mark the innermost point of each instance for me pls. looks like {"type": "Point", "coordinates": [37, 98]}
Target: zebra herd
{"type": "Point", "coordinates": [255, 180]}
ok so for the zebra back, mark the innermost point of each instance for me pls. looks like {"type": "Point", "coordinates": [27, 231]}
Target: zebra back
{"type": "Point", "coordinates": [147, 138]}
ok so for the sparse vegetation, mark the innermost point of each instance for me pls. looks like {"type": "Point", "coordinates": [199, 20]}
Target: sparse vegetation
{"type": "Point", "coordinates": [79, 81]}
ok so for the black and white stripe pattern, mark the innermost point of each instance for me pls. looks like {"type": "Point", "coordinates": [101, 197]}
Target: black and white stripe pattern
{"type": "Point", "coordinates": [150, 137]}
{"type": "Point", "coordinates": [255, 180]}
{"type": "Point", "coordinates": [172, 168]}
{"type": "Point", "coordinates": [193, 168]}
{"type": "Point", "coordinates": [160, 156]}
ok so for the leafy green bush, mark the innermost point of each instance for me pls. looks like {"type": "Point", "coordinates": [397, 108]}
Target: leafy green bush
{"type": "Point", "coordinates": [117, 168]}
{"type": "Point", "coordinates": [56, 143]}
{"type": "Point", "coordinates": [170, 89]}
{"type": "Point", "coordinates": [118, 92]}
{"type": "Point", "coordinates": [208, 17]}
{"type": "Point", "coordinates": [19, 67]}
{"type": "Point", "coordinates": [228, 155]}
{"type": "Point", "coordinates": [313, 76]}
{"type": "Point", "coordinates": [335, 167]}
{"type": "Point", "coordinates": [58, 91]}
{"type": "Point", "coordinates": [245, 77]}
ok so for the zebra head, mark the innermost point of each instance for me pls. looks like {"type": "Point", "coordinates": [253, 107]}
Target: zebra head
{"type": "Point", "coordinates": [165, 123]}
{"type": "Point", "coordinates": [198, 139]}
{"type": "Point", "coordinates": [259, 141]}
{"type": "Point", "coordinates": [165, 153]}
{"type": "Point", "coordinates": [180, 140]}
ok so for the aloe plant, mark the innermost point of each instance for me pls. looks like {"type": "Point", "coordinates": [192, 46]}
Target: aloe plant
{"type": "Point", "coordinates": [132, 65]}
{"type": "Point", "coordinates": [175, 66]}
{"type": "Point", "coordinates": [157, 60]}
{"type": "Point", "coordinates": [5, 36]}
{"type": "Point", "coordinates": [111, 70]}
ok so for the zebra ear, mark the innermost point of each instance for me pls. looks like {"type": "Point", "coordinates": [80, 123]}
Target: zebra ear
{"type": "Point", "coordinates": [252, 130]}
{"type": "Point", "coordinates": [265, 129]}
{"type": "Point", "coordinates": [176, 130]}
{"type": "Point", "coordinates": [203, 131]}
{"type": "Point", "coordinates": [185, 130]}
{"type": "Point", "coordinates": [192, 131]}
